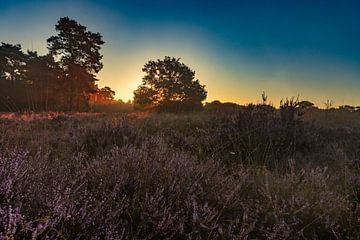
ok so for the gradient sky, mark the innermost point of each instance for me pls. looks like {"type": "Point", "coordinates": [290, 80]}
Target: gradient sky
{"type": "Point", "coordinates": [237, 48]}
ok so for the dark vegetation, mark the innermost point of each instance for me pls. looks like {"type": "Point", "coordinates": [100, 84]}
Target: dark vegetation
{"type": "Point", "coordinates": [169, 86]}
{"type": "Point", "coordinates": [219, 171]}
{"type": "Point", "coordinates": [64, 79]}
{"type": "Point", "coordinates": [253, 173]}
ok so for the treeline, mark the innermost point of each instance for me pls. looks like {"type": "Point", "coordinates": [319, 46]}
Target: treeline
{"type": "Point", "coordinates": [62, 80]}
{"type": "Point", "coordinates": [65, 79]}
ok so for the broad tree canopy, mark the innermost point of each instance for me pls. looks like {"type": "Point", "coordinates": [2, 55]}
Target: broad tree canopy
{"type": "Point", "coordinates": [169, 85]}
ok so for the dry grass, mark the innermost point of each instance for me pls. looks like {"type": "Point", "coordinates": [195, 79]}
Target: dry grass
{"type": "Point", "coordinates": [246, 175]}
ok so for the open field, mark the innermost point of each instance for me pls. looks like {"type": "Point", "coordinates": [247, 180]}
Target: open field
{"type": "Point", "coordinates": [142, 120]}
{"type": "Point", "coordinates": [251, 174]}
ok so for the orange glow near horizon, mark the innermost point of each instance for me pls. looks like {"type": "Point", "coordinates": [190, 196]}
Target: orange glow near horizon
{"type": "Point", "coordinates": [125, 75]}
{"type": "Point", "coordinates": [229, 77]}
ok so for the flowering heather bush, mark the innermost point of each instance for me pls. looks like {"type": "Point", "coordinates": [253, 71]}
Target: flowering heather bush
{"type": "Point", "coordinates": [102, 136]}
{"type": "Point", "coordinates": [177, 177]}
{"type": "Point", "coordinates": [255, 135]}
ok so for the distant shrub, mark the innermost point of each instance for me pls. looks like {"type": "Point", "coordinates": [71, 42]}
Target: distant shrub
{"type": "Point", "coordinates": [112, 107]}
{"type": "Point", "coordinates": [218, 107]}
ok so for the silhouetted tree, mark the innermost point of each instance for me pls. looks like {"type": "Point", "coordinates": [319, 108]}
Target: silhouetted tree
{"type": "Point", "coordinates": [348, 108]}
{"type": "Point", "coordinates": [306, 104]}
{"type": "Point", "coordinates": [78, 52]}
{"type": "Point", "coordinates": [103, 95]}
{"type": "Point", "coordinates": [169, 85]}
{"type": "Point", "coordinates": [107, 94]}
{"type": "Point", "coordinates": [12, 77]}
{"type": "Point", "coordinates": [43, 77]}
{"type": "Point", "coordinates": [12, 62]}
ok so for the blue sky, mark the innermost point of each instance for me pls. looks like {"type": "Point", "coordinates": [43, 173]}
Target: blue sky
{"type": "Point", "coordinates": [237, 48]}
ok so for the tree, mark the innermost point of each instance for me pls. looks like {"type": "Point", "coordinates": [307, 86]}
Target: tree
{"type": "Point", "coordinates": [43, 77]}
{"type": "Point", "coordinates": [103, 95]}
{"type": "Point", "coordinates": [169, 85]}
{"type": "Point", "coordinates": [107, 94]}
{"type": "Point", "coordinates": [27, 80]}
{"type": "Point", "coordinates": [12, 62]}
{"type": "Point", "coordinates": [77, 51]}
{"type": "Point", "coordinates": [306, 104]}
{"type": "Point", "coordinates": [348, 108]}
{"type": "Point", "coordinates": [12, 77]}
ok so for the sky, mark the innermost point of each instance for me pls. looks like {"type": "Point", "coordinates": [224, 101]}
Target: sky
{"type": "Point", "coordinates": [238, 49]}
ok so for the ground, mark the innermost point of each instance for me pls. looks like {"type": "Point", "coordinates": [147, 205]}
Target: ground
{"type": "Point", "coordinates": [251, 173]}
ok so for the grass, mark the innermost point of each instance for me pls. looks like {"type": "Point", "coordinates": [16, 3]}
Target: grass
{"type": "Point", "coordinates": [248, 174]}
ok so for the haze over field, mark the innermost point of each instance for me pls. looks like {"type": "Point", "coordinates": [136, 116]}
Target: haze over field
{"type": "Point", "coordinates": [237, 48]}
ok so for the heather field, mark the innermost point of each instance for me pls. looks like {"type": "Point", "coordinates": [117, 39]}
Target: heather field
{"type": "Point", "coordinates": [141, 120]}
{"type": "Point", "coordinates": [251, 173]}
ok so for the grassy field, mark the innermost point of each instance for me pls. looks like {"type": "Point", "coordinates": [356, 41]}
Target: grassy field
{"type": "Point", "coordinates": [255, 173]}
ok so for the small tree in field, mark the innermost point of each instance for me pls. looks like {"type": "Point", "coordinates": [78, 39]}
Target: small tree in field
{"type": "Point", "coordinates": [169, 85]}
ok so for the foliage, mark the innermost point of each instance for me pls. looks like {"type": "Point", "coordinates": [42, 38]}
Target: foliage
{"type": "Point", "coordinates": [221, 108]}
{"type": "Point", "coordinates": [244, 175]}
{"type": "Point", "coordinates": [12, 76]}
{"type": "Point", "coordinates": [169, 85]}
{"type": "Point", "coordinates": [78, 52]}
{"type": "Point", "coordinates": [106, 94]}
{"type": "Point", "coordinates": [306, 104]}
{"type": "Point", "coordinates": [63, 79]}
{"type": "Point", "coordinates": [43, 77]}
